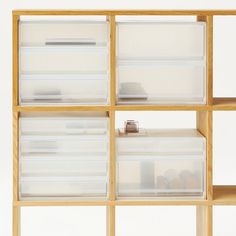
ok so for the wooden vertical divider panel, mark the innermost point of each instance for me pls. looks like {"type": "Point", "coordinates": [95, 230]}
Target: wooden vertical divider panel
{"type": "Point", "coordinates": [112, 159]}
{"type": "Point", "coordinates": [15, 56]}
{"type": "Point", "coordinates": [204, 126]}
{"type": "Point", "coordinates": [15, 93]}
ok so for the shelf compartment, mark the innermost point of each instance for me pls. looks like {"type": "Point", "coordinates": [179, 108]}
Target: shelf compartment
{"type": "Point", "coordinates": [32, 166]}
{"type": "Point", "coordinates": [64, 89]}
{"type": "Point", "coordinates": [161, 39]}
{"type": "Point", "coordinates": [161, 82]}
{"type": "Point", "coordinates": [161, 176]}
{"type": "Point", "coordinates": [57, 188]}
{"type": "Point", "coordinates": [35, 32]}
{"type": "Point", "coordinates": [63, 125]}
{"type": "Point", "coordinates": [161, 141]}
{"type": "Point", "coordinates": [63, 59]}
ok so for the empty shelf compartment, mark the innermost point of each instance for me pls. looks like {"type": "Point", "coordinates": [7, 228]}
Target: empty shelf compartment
{"type": "Point", "coordinates": [161, 164]}
{"type": "Point", "coordinates": [62, 187]}
{"type": "Point", "coordinates": [161, 82]}
{"type": "Point", "coordinates": [160, 39]}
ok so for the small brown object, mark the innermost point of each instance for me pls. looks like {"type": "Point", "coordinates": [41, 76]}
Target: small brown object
{"type": "Point", "coordinates": [131, 126]}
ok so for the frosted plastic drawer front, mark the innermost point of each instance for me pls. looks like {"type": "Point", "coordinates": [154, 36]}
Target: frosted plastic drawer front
{"type": "Point", "coordinates": [67, 188]}
{"type": "Point", "coordinates": [62, 167]}
{"type": "Point", "coordinates": [40, 33]}
{"type": "Point", "coordinates": [65, 89]}
{"type": "Point", "coordinates": [160, 145]}
{"type": "Point", "coordinates": [63, 125]}
{"type": "Point", "coordinates": [63, 60]}
{"type": "Point", "coordinates": [161, 176]}
{"type": "Point", "coordinates": [79, 145]}
{"type": "Point", "coordinates": [161, 83]}
{"type": "Point", "coordinates": [161, 40]}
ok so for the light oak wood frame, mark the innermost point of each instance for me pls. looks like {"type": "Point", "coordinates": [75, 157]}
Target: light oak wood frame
{"type": "Point", "coordinates": [216, 195]}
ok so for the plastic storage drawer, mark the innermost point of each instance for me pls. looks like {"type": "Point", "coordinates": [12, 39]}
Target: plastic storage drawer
{"type": "Point", "coordinates": [63, 156]}
{"type": "Point", "coordinates": [161, 39]}
{"type": "Point", "coordinates": [156, 82]}
{"type": "Point", "coordinates": [161, 176]}
{"type": "Point", "coordinates": [64, 62]}
{"type": "Point", "coordinates": [161, 163]}
{"type": "Point", "coordinates": [39, 188]}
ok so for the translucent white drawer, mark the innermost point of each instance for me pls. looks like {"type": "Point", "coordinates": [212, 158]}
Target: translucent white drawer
{"type": "Point", "coordinates": [158, 82]}
{"type": "Point", "coordinates": [64, 59]}
{"type": "Point", "coordinates": [64, 89]}
{"type": "Point", "coordinates": [161, 39]}
{"type": "Point", "coordinates": [161, 176]}
{"type": "Point", "coordinates": [36, 32]}
{"type": "Point", "coordinates": [64, 144]}
{"type": "Point", "coordinates": [63, 125]}
{"type": "Point", "coordinates": [162, 141]}
{"type": "Point", "coordinates": [57, 166]}
{"type": "Point", "coordinates": [37, 188]}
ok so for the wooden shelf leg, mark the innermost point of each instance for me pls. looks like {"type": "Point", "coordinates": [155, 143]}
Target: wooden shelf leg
{"type": "Point", "coordinates": [110, 220]}
{"type": "Point", "coordinates": [203, 220]}
{"type": "Point", "coordinates": [16, 221]}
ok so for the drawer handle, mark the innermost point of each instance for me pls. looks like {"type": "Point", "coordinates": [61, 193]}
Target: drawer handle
{"type": "Point", "coordinates": [70, 42]}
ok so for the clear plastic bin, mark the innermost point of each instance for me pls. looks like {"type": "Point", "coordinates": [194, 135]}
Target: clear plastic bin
{"type": "Point", "coordinates": [160, 39]}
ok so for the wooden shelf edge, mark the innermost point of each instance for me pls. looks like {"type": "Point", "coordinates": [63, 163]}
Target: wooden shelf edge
{"type": "Point", "coordinates": [224, 103]}
{"type": "Point", "coordinates": [201, 12]}
{"type": "Point", "coordinates": [162, 107]}
{"type": "Point", "coordinates": [113, 203]}
{"type": "Point", "coordinates": [224, 195]}
{"type": "Point", "coordinates": [60, 108]}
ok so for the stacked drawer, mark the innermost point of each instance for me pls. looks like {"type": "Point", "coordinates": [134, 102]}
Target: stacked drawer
{"type": "Point", "coordinates": [63, 157]}
{"type": "Point", "coordinates": [161, 163]}
{"type": "Point", "coordinates": [64, 62]}
{"type": "Point", "coordinates": [161, 62]}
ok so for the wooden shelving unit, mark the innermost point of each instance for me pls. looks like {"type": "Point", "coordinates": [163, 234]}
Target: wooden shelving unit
{"type": "Point", "coordinates": [216, 195]}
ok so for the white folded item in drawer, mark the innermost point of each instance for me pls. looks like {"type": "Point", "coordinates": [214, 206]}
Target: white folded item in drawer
{"type": "Point", "coordinates": [70, 187]}
{"type": "Point", "coordinates": [162, 141]}
{"type": "Point", "coordinates": [161, 82]}
{"type": "Point", "coordinates": [161, 39]}
{"type": "Point", "coordinates": [63, 125]}
{"type": "Point", "coordinates": [39, 33]}
{"type": "Point", "coordinates": [58, 166]}
{"type": "Point", "coordinates": [161, 176]}
{"type": "Point", "coordinates": [64, 89]}
{"type": "Point", "coordinates": [64, 59]}
{"type": "Point", "coordinates": [64, 144]}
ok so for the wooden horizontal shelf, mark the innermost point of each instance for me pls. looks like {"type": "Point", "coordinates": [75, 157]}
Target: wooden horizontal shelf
{"type": "Point", "coordinates": [60, 108]}
{"type": "Point", "coordinates": [224, 103]}
{"type": "Point", "coordinates": [161, 107]}
{"type": "Point", "coordinates": [113, 203]}
{"type": "Point", "coordinates": [219, 104]}
{"type": "Point", "coordinates": [125, 12]}
{"type": "Point", "coordinates": [224, 195]}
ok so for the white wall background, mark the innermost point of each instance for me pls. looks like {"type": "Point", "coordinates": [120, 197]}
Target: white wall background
{"type": "Point", "coordinates": [6, 7]}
